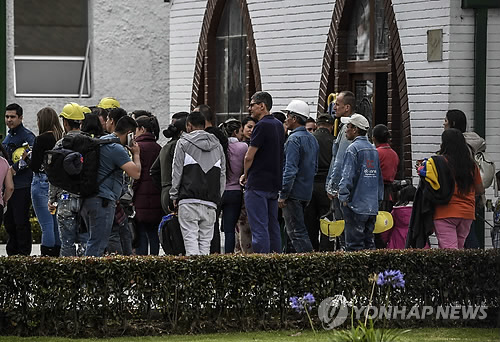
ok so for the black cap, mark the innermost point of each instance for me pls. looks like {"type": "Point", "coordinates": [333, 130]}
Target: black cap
{"type": "Point", "coordinates": [325, 118]}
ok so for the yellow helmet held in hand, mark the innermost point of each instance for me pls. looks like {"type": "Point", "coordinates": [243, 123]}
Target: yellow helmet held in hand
{"type": "Point", "coordinates": [384, 222]}
{"type": "Point", "coordinates": [331, 228]}
{"type": "Point", "coordinates": [108, 102]}
{"type": "Point", "coordinates": [18, 153]}
{"type": "Point", "coordinates": [72, 111]}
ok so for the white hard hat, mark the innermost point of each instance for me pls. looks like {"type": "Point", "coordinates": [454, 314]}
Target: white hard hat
{"type": "Point", "coordinates": [298, 107]}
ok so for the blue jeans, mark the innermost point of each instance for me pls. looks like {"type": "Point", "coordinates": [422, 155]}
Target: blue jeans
{"type": "Point", "coordinates": [231, 208]}
{"type": "Point", "coordinates": [147, 234]}
{"type": "Point", "coordinates": [358, 230]}
{"type": "Point", "coordinates": [69, 222]}
{"type": "Point", "coordinates": [262, 212]}
{"type": "Point", "coordinates": [98, 214]}
{"type": "Point", "coordinates": [47, 221]}
{"type": "Point", "coordinates": [293, 213]}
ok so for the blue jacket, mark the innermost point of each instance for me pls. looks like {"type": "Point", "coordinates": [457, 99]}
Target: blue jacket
{"type": "Point", "coordinates": [338, 152]}
{"type": "Point", "coordinates": [16, 138]}
{"type": "Point", "coordinates": [300, 166]}
{"type": "Point", "coordinates": [362, 185]}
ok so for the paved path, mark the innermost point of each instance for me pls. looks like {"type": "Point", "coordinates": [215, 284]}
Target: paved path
{"type": "Point", "coordinates": [35, 250]}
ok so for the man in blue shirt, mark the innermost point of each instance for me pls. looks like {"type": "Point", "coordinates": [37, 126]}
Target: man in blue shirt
{"type": "Point", "coordinates": [301, 164]}
{"type": "Point", "coordinates": [263, 170]}
{"type": "Point", "coordinates": [17, 223]}
{"type": "Point", "coordinates": [98, 212]}
{"type": "Point", "coordinates": [361, 187]}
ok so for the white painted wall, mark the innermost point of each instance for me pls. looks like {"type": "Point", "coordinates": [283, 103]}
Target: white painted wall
{"type": "Point", "coordinates": [290, 36]}
{"type": "Point", "coordinates": [435, 87]}
{"type": "Point", "coordinates": [130, 56]}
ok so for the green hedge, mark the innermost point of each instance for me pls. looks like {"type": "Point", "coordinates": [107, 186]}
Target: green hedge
{"type": "Point", "coordinates": [150, 295]}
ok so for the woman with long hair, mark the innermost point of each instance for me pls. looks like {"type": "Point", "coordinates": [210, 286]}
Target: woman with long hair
{"type": "Point", "coordinates": [452, 221]}
{"type": "Point", "coordinates": [248, 124]}
{"type": "Point", "coordinates": [146, 199]}
{"type": "Point", "coordinates": [233, 194]}
{"type": "Point", "coordinates": [49, 131]}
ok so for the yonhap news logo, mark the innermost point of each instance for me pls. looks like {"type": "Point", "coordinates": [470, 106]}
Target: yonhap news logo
{"type": "Point", "coordinates": [333, 311]}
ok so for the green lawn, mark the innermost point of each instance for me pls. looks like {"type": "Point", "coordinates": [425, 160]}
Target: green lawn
{"type": "Point", "coordinates": [416, 335]}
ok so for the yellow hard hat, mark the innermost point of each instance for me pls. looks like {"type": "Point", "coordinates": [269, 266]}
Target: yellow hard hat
{"type": "Point", "coordinates": [86, 110]}
{"type": "Point", "coordinates": [108, 102]}
{"type": "Point", "coordinates": [384, 222]}
{"type": "Point", "coordinates": [18, 153]}
{"type": "Point", "coordinates": [72, 111]}
{"type": "Point", "coordinates": [331, 228]}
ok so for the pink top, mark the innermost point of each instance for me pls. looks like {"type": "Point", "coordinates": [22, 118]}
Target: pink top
{"type": "Point", "coordinates": [397, 235]}
{"type": "Point", "coordinates": [4, 168]}
{"type": "Point", "coordinates": [236, 155]}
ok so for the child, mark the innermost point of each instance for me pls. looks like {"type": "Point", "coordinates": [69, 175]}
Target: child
{"type": "Point", "coordinates": [401, 214]}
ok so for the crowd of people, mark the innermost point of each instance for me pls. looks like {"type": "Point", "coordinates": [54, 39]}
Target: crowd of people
{"type": "Point", "coordinates": [268, 179]}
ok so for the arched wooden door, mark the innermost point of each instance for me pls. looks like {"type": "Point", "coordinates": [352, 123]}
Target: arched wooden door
{"type": "Point", "coordinates": [363, 54]}
{"type": "Point", "coordinates": [227, 71]}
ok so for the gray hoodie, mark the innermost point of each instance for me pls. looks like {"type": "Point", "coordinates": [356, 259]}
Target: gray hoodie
{"type": "Point", "coordinates": [199, 169]}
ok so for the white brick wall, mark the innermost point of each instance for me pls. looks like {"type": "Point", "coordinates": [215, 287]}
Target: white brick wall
{"type": "Point", "coordinates": [130, 56]}
{"type": "Point", "coordinates": [290, 36]}
{"type": "Point", "coordinates": [435, 87]}
{"type": "Point", "coordinates": [186, 18]}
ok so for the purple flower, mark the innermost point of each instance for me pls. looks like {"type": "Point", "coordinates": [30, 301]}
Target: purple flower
{"type": "Point", "coordinates": [309, 298]}
{"type": "Point", "coordinates": [296, 304]}
{"type": "Point", "coordinates": [299, 304]}
{"type": "Point", "coordinates": [393, 278]}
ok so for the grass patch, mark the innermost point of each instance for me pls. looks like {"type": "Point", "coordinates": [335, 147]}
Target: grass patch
{"type": "Point", "coordinates": [425, 334]}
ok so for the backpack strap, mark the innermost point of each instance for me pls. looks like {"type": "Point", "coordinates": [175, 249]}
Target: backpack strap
{"type": "Point", "coordinates": [103, 142]}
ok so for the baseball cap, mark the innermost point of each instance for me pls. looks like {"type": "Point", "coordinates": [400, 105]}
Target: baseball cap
{"type": "Point", "coordinates": [357, 120]}
{"type": "Point", "coordinates": [325, 118]}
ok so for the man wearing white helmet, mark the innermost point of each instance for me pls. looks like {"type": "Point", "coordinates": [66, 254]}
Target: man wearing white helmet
{"type": "Point", "coordinates": [301, 164]}
{"type": "Point", "coordinates": [361, 187]}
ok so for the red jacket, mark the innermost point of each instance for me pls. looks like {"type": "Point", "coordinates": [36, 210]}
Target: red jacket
{"type": "Point", "coordinates": [146, 195]}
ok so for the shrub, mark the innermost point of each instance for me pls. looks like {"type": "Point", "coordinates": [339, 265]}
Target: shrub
{"type": "Point", "coordinates": [150, 295]}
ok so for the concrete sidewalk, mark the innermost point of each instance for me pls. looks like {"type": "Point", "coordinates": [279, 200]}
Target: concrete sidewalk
{"type": "Point", "coordinates": [35, 250]}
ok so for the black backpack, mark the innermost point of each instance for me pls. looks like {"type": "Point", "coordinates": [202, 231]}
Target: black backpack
{"type": "Point", "coordinates": [170, 235]}
{"type": "Point", "coordinates": [74, 166]}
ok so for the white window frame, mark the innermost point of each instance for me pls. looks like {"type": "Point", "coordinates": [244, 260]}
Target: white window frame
{"type": "Point", "coordinates": [84, 76]}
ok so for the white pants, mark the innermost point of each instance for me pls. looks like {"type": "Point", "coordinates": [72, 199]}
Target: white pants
{"type": "Point", "coordinates": [197, 226]}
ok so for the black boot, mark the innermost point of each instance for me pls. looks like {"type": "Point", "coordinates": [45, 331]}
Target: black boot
{"type": "Point", "coordinates": [50, 251]}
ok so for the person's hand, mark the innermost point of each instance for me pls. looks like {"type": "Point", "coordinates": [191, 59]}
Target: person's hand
{"type": "Point", "coordinates": [243, 180]}
{"type": "Point", "coordinates": [52, 207]}
{"type": "Point", "coordinates": [332, 196]}
{"type": "Point", "coordinates": [281, 203]}
{"type": "Point", "coordinates": [134, 149]}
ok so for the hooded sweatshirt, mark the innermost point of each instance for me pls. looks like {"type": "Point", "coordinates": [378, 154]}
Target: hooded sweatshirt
{"type": "Point", "coordinates": [199, 169]}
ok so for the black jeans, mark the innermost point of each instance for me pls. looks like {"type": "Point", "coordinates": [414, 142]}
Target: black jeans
{"type": "Point", "coordinates": [318, 206]}
{"type": "Point", "coordinates": [17, 222]}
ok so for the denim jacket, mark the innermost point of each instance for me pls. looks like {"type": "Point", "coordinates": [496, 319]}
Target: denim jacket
{"type": "Point", "coordinates": [16, 138]}
{"type": "Point", "coordinates": [338, 152]}
{"type": "Point", "coordinates": [362, 185]}
{"type": "Point", "coordinates": [300, 166]}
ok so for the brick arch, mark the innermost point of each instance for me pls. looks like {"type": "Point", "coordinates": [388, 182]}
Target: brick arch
{"type": "Point", "coordinates": [204, 74]}
{"type": "Point", "coordinates": [398, 110]}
